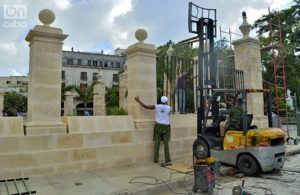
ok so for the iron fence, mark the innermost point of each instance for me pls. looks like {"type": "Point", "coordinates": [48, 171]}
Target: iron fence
{"type": "Point", "coordinates": [177, 78]}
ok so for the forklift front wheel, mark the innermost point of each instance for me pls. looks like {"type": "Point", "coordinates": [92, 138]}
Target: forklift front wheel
{"type": "Point", "coordinates": [247, 165]}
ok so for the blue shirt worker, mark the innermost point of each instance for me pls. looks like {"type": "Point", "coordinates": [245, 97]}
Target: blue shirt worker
{"type": "Point", "coordinates": [162, 128]}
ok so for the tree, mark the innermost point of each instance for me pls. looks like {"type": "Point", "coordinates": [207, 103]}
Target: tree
{"type": "Point", "coordinates": [15, 101]}
{"type": "Point", "coordinates": [112, 100]}
{"type": "Point", "coordinates": [85, 93]}
{"type": "Point", "coordinates": [290, 23]}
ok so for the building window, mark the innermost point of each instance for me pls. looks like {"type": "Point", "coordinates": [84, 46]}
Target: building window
{"type": "Point", "coordinates": [79, 62]}
{"type": "Point", "coordinates": [112, 64]}
{"type": "Point", "coordinates": [70, 61]}
{"type": "Point", "coordinates": [7, 82]}
{"type": "Point", "coordinates": [115, 78]}
{"type": "Point", "coordinates": [63, 75]}
{"type": "Point", "coordinates": [83, 76]}
{"type": "Point", "coordinates": [100, 63]}
{"type": "Point", "coordinates": [89, 62]}
{"type": "Point", "coordinates": [118, 65]}
{"type": "Point", "coordinates": [95, 63]}
{"type": "Point", "coordinates": [18, 82]}
{"type": "Point", "coordinates": [83, 85]}
{"type": "Point", "coordinates": [105, 64]}
{"type": "Point", "coordinates": [24, 82]}
{"type": "Point", "coordinates": [95, 75]}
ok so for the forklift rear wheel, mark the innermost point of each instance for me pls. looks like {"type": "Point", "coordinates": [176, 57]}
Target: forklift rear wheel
{"type": "Point", "coordinates": [247, 165]}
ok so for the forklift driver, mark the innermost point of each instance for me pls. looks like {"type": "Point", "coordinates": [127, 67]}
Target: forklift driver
{"type": "Point", "coordinates": [235, 118]}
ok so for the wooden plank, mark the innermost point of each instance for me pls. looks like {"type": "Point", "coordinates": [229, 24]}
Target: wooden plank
{"type": "Point", "coordinates": [181, 167]}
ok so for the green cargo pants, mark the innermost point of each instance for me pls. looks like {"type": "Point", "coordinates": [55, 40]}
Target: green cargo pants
{"type": "Point", "coordinates": [161, 133]}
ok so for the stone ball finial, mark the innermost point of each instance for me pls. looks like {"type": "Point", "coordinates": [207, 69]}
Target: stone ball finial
{"type": "Point", "coordinates": [141, 34]}
{"type": "Point", "coordinates": [46, 16]}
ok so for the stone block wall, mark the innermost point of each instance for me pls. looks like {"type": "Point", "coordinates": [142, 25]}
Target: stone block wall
{"type": "Point", "coordinates": [104, 141]}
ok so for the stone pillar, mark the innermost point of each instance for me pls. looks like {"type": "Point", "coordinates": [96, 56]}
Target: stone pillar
{"type": "Point", "coordinates": [141, 78]}
{"type": "Point", "coordinates": [69, 104]}
{"type": "Point", "coordinates": [123, 89]}
{"type": "Point", "coordinates": [247, 57]}
{"type": "Point", "coordinates": [99, 98]}
{"type": "Point", "coordinates": [1, 103]}
{"type": "Point", "coordinates": [44, 91]}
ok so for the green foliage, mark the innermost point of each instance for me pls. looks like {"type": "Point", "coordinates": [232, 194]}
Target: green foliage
{"type": "Point", "coordinates": [85, 94]}
{"type": "Point", "coordinates": [116, 111]}
{"type": "Point", "coordinates": [112, 98]}
{"type": "Point", "coordinates": [290, 25]}
{"type": "Point", "coordinates": [15, 101]}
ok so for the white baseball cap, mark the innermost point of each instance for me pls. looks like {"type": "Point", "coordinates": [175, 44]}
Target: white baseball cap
{"type": "Point", "coordinates": [163, 99]}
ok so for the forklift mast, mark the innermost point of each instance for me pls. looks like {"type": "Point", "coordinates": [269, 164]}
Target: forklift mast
{"type": "Point", "coordinates": [202, 21]}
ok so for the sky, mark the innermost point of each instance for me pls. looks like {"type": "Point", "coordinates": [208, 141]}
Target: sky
{"type": "Point", "coordinates": [95, 25]}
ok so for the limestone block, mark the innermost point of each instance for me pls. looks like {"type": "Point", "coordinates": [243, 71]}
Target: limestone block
{"type": "Point", "coordinates": [10, 173]}
{"type": "Point", "coordinates": [84, 154]}
{"type": "Point", "coordinates": [96, 139]}
{"type": "Point", "coordinates": [17, 161]}
{"type": "Point", "coordinates": [143, 124]}
{"type": "Point", "coordinates": [11, 126]}
{"type": "Point", "coordinates": [69, 141]}
{"type": "Point", "coordinates": [99, 123]}
{"type": "Point", "coordinates": [143, 136]}
{"type": "Point", "coordinates": [19, 144]}
{"type": "Point", "coordinates": [183, 120]}
{"type": "Point", "coordinates": [45, 128]}
{"type": "Point", "coordinates": [51, 157]}
{"type": "Point", "coordinates": [179, 133]}
{"type": "Point", "coordinates": [121, 137]}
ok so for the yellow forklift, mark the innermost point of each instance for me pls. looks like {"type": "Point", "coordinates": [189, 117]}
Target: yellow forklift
{"type": "Point", "coordinates": [250, 150]}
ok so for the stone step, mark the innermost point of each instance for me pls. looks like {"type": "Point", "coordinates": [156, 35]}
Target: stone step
{"type": "Point", "coordinates": [36, 163]}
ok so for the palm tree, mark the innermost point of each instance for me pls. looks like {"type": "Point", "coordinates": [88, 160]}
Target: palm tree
{"type": "Point", "coordinates": [85, 93]}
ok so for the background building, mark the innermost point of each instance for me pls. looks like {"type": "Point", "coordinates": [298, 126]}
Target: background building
{"type": "Point", "coordinates": [78, 68]}
{"type": "Point", "coordinates": [14, 83]}
{"type": "Point", "coordinates": [81, 68]}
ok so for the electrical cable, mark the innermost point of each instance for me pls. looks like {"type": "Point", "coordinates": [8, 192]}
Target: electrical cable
{"type": "Point", "coordinates": [294, 171]}
{"type": "Point", "coordinates": [160, 182]}
{"type": "Point", "coordinates": [268, 191]}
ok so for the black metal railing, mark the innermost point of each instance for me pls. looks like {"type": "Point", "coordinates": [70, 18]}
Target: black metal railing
{"type": "Point", "coordinates": [177, 78]}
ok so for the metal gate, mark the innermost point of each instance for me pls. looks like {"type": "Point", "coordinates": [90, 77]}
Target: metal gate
{"type": "Point", "coordinates": [177, 78]}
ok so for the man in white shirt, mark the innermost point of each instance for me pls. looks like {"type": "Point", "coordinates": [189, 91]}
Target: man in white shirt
{"type": "Point", "coordinates": [162, 129]}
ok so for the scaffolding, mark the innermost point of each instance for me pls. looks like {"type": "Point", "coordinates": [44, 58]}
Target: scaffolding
{"type": "Point", "coordinates": [278, 78]}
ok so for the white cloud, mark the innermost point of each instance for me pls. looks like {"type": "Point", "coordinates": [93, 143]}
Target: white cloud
{"type": "Point", "coordinates": [62, 4]}
{"type": "Point", "coordinates": [121, 7]}
{"type": "Point", "coordinates": [95, 25]}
